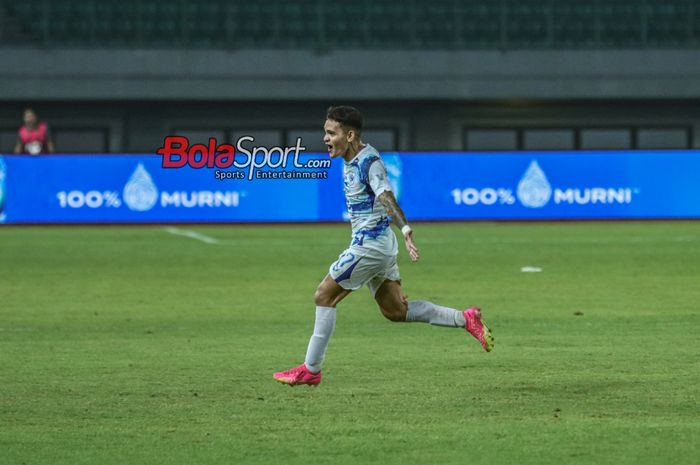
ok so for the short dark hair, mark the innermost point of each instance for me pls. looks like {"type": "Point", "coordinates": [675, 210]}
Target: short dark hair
{"type": "Point", "coordinates": [348, 117]}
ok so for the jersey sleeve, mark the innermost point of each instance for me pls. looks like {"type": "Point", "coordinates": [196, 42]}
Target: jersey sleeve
{"type": "Point", "coordinates": [377, 178]}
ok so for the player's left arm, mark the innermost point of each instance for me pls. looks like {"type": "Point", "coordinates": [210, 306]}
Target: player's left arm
{"type": "Point", "coordinates": [379, 183]}
{"type": "Point", "coordinates": [394, 210]}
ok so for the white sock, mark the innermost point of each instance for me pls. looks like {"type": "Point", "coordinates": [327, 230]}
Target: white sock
{"type": "Point", "coordinates": [323, 330]}
{"type": "Point", "coordinates": [428, 312]}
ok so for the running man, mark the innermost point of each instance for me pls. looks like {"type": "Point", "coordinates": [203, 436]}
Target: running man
{"type": "Point", "coordinates": [371, 257]}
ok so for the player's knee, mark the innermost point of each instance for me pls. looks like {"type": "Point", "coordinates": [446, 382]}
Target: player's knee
{"type": "Point", "coordinates": [322, 299]}
{"type": "Point", "coordinates": [395, 312]}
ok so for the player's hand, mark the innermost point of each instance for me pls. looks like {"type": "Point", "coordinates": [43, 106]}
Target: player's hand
{"type": "Point", "coordinates": [411, 247]}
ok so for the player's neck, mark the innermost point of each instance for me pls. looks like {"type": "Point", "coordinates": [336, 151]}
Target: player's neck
{"type": "Point", "coordinates": [353, 150]}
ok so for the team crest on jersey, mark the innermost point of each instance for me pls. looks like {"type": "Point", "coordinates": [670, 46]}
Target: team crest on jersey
{"type": "Point", "coordinates": [350, 179]}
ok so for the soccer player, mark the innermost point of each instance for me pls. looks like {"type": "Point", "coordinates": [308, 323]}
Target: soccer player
{"type": "Point", "coordinates": [371, 257]}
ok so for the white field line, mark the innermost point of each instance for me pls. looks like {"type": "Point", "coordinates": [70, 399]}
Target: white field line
{"type": "Point", "coordinates": [192, 235]}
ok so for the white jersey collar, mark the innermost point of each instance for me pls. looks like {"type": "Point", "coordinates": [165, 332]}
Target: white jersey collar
{"type": "Point", "coordinates": [366, 148]}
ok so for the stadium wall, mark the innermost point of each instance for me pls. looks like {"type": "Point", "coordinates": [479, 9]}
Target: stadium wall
{"type": "Point", "coordinates": [191, 75]}
{"type": "Point", "coordinates": [128, 100]}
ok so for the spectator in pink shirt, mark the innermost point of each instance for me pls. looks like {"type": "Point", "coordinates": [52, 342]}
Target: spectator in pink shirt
{"type": "Point", "coordinates": [33, 137]}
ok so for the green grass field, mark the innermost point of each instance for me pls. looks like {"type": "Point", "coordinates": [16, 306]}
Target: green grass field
{"type": "Point", "coordinates": [131, 345]}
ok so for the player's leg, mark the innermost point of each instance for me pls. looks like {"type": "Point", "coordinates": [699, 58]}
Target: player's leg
{"type": "Point", "coordinates": [327, 296]}
{"type": "Point", "coordinates": [329, 293]}
{"type": "Point", "coordinates": [343, 276]}
{"type": "Point", "coordinates": [392, 301]}
{"type": "Point", "coordinates": [387, 291]}
{"type": "Point", "coordinates": [396, 307]}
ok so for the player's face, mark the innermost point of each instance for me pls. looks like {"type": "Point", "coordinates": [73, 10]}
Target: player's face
{"type": "Point", "coordinates": [335, 138]}
{"type": "Point", "coordinates": [29, 118]}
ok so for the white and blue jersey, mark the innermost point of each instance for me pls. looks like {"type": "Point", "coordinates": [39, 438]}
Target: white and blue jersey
{"type": "Point", "coordinates": [371, 257]}
{"type": "Point", "coordinates": [365, 179]}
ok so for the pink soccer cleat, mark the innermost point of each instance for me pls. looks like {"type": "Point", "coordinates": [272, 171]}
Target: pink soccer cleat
{"type": "Point", "coordinates": [298, 375]}
{"type": "Point", "coordinates": [478, 328]}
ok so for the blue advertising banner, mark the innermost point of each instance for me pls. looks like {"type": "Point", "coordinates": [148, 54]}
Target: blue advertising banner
{"type": "Point", "coordinates": [135, 189]}
{"type": "Point", "coordinates": [546, 185]}
{"type": "Point", "coordinates": [430, 186]}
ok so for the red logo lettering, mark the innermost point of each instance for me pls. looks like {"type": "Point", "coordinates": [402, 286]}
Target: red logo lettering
{"type": "Point", "coordinates": [177, 152]}
{"type": "Point", "coordinates": [174, 146]}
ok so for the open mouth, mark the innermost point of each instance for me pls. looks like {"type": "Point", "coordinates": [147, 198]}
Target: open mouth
{"type": "Point", "coordinates": [330, 148]}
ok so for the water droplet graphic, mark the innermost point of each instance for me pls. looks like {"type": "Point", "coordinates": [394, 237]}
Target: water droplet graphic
{"type": "Point", "coordinates": [534, 191]}
{"type": "Point", "coordinates": [140, 192]}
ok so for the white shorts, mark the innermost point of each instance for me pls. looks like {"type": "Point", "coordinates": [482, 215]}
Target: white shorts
{"type": "Point", "coordinates": [354, 269]}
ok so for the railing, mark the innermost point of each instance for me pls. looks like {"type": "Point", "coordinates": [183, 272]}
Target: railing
{"type": "Point", "coordinates": [361, 24]}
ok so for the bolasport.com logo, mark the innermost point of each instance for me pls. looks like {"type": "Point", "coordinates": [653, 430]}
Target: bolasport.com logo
{"type": "Point", "coordinates": [245, 160]}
